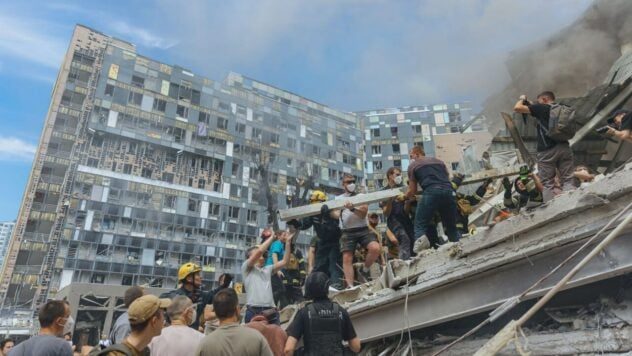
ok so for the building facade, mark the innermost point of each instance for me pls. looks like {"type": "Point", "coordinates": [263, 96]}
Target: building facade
{"type": "Point", "coordinates": [143, 166]}
{"type": "Point", "coordinates": [389, 134]}
{"type": "Point", "coordinates": [6, 228]}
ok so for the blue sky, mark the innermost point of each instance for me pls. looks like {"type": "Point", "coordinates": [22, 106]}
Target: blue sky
{"type": "Point", "coordinates": [351, 55]}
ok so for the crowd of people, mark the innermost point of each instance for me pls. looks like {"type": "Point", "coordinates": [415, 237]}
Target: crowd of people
{"type": "Point", "coordinates": [347, 244]}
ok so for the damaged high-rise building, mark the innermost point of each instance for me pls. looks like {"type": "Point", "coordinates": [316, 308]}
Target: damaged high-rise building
{"type": "Point", "coordinates": [143, 166]}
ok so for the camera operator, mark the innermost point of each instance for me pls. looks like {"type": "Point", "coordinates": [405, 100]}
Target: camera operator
{"type": "Point", "coordinates": [620, 125]}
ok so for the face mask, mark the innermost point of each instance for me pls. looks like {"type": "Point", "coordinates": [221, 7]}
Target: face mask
{"type": "Point", "coordinates": [193, 317]}
{"type": "Point", "coordinates": [398, 180]}
{"type": "Point", "coordinates": [69, 325]}
{"type": "Point", "coordinates": [351, 187]}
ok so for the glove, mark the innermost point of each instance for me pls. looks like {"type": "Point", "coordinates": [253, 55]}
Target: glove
{"type": "Point", "coordinates": [294, 223]}
{"type": "Point", "coordinates": [457, 179]}
{"type": "Point", "coordinates": [507, 184]}
{"type": "Point", "coordinates": [480, 191]}
{"type": "Point", "coordinates": [324, 209]}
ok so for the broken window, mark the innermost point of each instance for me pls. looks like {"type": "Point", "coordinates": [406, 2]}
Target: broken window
{"type": "Point", "coordinates": [222, 123]}
{"type": "Point", "coordinates": [291, 143]}
{"type": "Point", "coordinates": [274, 138]}
{"type": "Point", "coordinates": [240, 128]}
{"type": "Point", "coordinates": [397, 163]}
{"type": "Point", "coordinates": [138, 82]}
{"type": "Point", "coordinates": [416, 128]}
{"type": "Point", "coordinates": [235, 169]}
{"type": "Point", "coordinates": [394, 131]}
{"type": "Point", "coordinates": [201, 183]}
{"type": "Point", "coordinates": [396, 148]}
{"type": "Point", "coordinates": [233, 212]}
{"type": "Point", "coordinates": [135, 98]}
{"type": "Point", "coordinates": [375, 132]}
{"type": "Point", "coordinates": [169, 201]}
{"type": "Point", "coordinates": [182, 111]}
{"type": "Point", "coordinates": [204, 117]}
{"type": "Point", "coordinates": [160, 105]}
{"type": "Point", "coordinates": [376, 149]}
{"type": "Point", "coordinates": [193, 205]}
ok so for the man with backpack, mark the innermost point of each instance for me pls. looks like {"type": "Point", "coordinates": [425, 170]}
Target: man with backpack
{"type": "Point", "coordinates": [322, 324]}
{"type": "Point", "coordinates": [555, 126]}
{"type": "Point", "coordinates": [146, 319]}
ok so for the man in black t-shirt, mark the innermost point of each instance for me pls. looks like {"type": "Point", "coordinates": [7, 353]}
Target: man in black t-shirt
{"type": "Point", "coordinates": [622, 120]}
{"type": "Point", "coordinates": [322, 324]}
{"type": "Point", "coordinates": [551, 155]}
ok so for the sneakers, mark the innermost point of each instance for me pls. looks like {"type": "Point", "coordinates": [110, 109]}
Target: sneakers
{"type": "Point", "coordinates": [422, 243]}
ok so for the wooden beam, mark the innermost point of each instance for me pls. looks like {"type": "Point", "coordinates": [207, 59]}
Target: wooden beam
{"type": "Point", "coordinates": [314, 209]}
{"type": "Point", "coordinates": [491, 173]}
{"type": "Point", "coordinates": [526, 157]}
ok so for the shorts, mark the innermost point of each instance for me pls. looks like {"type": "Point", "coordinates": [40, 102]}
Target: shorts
{"type": "Point", "coordinates": [352, 237]}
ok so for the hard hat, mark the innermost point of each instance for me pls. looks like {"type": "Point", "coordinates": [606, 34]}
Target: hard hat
{"type": "Point", "coordinates": [186, 269]}
{"type": "Point", "coordinates": [317, 196]}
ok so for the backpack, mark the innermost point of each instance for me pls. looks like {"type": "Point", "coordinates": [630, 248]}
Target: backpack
{"type": "Point", "coordinates": [562, 125]}
{"type": "Point", "coordinates": [464, 206]}
{"type": "Point", "coordinates": [116, 347]}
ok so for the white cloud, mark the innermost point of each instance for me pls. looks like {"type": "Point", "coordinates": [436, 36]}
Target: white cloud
{"type": "Point", "coordinates": [141, 36]}
{"type": "Point", "coordinates": [15, 149]}
{"type": "Point", "coordinates": [28, 39]}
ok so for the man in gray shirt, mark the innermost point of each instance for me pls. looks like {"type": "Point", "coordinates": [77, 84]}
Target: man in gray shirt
{"type": "Point", "coordinates": [121, 327]}
{"type": "Point", "coordinates": [55, 321]}
{"type": "Point", "coordinates": [231, 338]}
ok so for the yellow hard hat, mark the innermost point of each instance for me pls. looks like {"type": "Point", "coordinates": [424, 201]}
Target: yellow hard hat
{"type": "Point", "coordinates": [186, 269]}
{"type": "Point", "coordinates": [317, 196]}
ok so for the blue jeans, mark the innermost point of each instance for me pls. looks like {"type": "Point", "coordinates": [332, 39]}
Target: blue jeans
{"type": "Point", "coordinates": [442, 201]}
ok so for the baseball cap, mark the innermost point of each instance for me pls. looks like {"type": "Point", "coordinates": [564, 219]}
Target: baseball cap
{"type": "Point", "coordinates": [145, 307]}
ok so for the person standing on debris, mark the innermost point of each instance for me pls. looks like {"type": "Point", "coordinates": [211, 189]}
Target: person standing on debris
{"type": "Point", "coordinates": [55, 320]}
{"type": "Point", "coordinates": [465, 203]}
{"type": "Point", "coordinates": [529, 189]}
{"type": "Point", "coordinates": [397, 212]}
{"type": "Point", "coordinates": [178, 338]}
{"type": "Point", "coordinates": [121, 327]}
{"type": "Point", "coordinates": [190, 277]}
{"type": "Point", "coordinates": [146, 318]}
{"type": "Point", "coordinates": [275, 254]}
{"type": "Point", "coordinates": [322, 324]}
{"type": "Point", "coordinates": [293, 277]}
{"type": "Point", "coordinates": [551, 155]}
{"type": "Point", "coordinates": [327, 229]}
{"type": "Point", "coordinates": [258, 278]}
{"type": "Point", "coordinates": [231, 338]}
{"type": "Point", "coordinates": [621, 125]}
{"type": "Point", "coordinates": [355, 231]}
{"type": "Point", "coordinates": [438, 196]}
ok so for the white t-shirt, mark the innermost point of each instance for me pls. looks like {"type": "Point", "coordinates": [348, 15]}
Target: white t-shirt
{"type": "Point", "coordinates": [258, 285]}
{"type": "Point", "coordinates": [176, 340]}
{"type": "Point", "coordinates": [349, 219]}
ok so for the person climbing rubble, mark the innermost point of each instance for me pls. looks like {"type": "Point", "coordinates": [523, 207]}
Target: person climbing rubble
{"type": "Point", "coordinates": [465, 203]}
{"type": "Point", "coordinates": [397, 211]}
{"type": "Point", "coordinates": [528, 188]}
{"type": "Point", "coordinates": [326, 243]}
{"type": "Point", "coordinates": [355, 231]}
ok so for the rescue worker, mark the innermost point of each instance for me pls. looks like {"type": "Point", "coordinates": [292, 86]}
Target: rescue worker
{"type": "Point", "coordinates": [328, 258]}
{"type": "Point", "coordinates": [465, 203]}
{"type": "Point", "coordinates": [397, 212]}
{"type": "Point", "coordinates": [190, 278]}
{"type": "Point", "coordinates": [529, 189]}
{"type": "Point", "coordinates": [293, 277]}
{"type": "Point", "coordinates": [322, 324]}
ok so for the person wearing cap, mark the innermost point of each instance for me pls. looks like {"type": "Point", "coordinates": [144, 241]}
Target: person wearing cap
{"type": "Point", "coordinates": [190, 278]}
{"type": "Point", "coordinates": [121, 327]}
{"type": "Point", "coordinates": [326, 243]}
{"type": "Point", "coordinates": [146, 319]}
{"type": "Point", "coordinates": [258, 277]}
{"type": "Point", "coordinates": [322, 324]}
{"type": "Point", "coordinates": [178, 338]}
{"type": "Point", "coordinates": [231, 338]}
{"type": "Point", "coordinates": [622, 122]}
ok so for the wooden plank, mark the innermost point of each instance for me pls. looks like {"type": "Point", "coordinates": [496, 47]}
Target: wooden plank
{"type": "Point", "coordinates": [314, 209]}
{"type": "Point", "coordinates": [513, 131]}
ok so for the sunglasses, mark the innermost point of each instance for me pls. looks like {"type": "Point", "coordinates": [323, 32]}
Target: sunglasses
{"type": "Point", "coordinates": [349, 182]}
